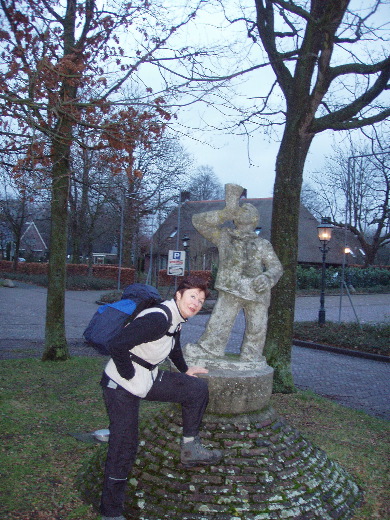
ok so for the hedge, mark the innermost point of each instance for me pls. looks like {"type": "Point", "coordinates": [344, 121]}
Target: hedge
{"type": "Point", "coordinates": [165, 279]}
{"type": "Point", "coordinates": [307, 277]}
{"type": "Point", "coordinates": [107, 272]}
{"type": "Point", "coordinates": [358, 277]}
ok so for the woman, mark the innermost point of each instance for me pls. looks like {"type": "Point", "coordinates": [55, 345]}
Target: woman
{"type": "Point", "coordinates": [132, 376]}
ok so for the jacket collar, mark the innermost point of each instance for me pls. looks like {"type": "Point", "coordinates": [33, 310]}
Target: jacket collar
{"type": "Point", "coordinates": [176, 315]}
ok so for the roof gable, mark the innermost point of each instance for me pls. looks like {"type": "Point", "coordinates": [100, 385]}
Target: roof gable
{"type": "Point", "coordinates": [32, 239]}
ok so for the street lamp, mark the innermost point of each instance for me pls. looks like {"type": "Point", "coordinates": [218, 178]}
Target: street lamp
{"type": "Point", "coordinates": [347, 252]}
{"type": "Point", "coordinates": [186, 245]}
{"type": "Point", "coordinates": [324, 234]}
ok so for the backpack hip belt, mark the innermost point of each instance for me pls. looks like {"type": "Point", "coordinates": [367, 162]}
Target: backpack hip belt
{"type": "Point", "coordinates": [142, 362]}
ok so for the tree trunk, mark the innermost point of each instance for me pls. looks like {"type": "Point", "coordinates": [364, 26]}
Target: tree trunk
{"type": "Point", "coordinates": [129, 233]}
{"type": "Point", "coordinates": [371, 251]}
{"type": "Point", "coordinates": [15, 261]}
{"type": "Point", "coordinates": [90, 260]}
{"type": "Point", "coordinates": [56, 347]}
{"type": "Point", "coordinates": [73, 220]}
{"type": "Point", "coordinates": [284, 239]}
{"type": "Point", "coordinates": [83, 215]}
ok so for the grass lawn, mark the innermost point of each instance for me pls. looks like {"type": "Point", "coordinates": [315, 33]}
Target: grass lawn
{"type": "Point", "coordinates": [43, 403]}
{"type": "Point", "coordinates": [366, 338]}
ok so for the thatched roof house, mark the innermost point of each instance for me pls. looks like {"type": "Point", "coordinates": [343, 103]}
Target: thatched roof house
{"type": "Point", "coordinates": [203, 253]}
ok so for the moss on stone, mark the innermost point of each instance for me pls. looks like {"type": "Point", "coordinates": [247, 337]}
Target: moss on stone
{"type": "Point", "coordinates": [304, 484]}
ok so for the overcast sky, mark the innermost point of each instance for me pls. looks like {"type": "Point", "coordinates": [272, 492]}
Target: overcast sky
{"type": "Point", "coordinates": [247, 161]}
{"type": "Point", "coordinates": [253, 167]}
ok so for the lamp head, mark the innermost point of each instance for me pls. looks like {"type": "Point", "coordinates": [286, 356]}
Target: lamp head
{"type": "Point", "coordinates": [325, 230]}
{"type": "Point", "coordinates": [186, 241]}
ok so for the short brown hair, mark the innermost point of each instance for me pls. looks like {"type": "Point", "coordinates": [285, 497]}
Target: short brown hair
{"type": "Point", "coordinates": [193, 282]}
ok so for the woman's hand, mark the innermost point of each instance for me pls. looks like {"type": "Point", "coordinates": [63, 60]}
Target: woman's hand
{"type": "Point", "coordinates": [192, 371]}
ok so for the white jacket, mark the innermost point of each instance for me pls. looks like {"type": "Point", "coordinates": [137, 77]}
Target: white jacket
{"type": "Point", "coordinates": [153, 352]}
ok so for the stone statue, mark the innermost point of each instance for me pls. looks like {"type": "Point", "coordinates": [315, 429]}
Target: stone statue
{"type": "Point", "coordinates": [248, 269]}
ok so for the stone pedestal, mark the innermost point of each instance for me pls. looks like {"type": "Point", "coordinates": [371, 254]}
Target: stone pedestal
{"type": "Point", "coordinates": [233, 391]}
{"type": "Point", "coordinates": [235, 386]}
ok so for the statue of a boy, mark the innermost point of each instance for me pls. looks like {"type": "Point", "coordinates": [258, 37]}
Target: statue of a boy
{"type": "Point", "coordinates": [248, 269]}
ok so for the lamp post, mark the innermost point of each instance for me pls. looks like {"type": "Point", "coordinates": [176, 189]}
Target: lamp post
{"type": "Point", "coordinates": [183, 197]}
{"type": "Point", "coordinates": [347, 252]}
{"type": "Point", "coordinates": [186, 245]}
{"type": "Point", "coordinates": [324, 235]}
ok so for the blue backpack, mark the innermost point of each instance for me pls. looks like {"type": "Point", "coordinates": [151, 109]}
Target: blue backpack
{"type": "Point", "coordinates": [111, 318]}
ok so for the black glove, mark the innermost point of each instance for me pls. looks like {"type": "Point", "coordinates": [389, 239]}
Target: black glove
{"type": "Point", "coordinates": [125, 367]}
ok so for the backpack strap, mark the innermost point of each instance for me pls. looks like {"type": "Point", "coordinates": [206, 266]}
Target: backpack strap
{"type": "Point", "coordinates": [168, 312]}
{"type": "Point", "coordinates": [143, 362]}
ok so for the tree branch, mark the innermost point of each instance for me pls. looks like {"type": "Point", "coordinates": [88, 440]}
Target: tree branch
{"type": "Point", "coordinates": [343, 119]}
{"type": "Point", "coordinates": [266, 27]}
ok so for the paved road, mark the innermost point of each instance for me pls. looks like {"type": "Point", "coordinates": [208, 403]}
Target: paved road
{"type": "Point", "coordinates": [367, 308]}
{"type": "Point", "coordinates": [358, 383]}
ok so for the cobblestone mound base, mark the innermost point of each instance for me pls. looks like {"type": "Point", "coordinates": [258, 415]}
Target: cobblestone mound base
{"type": "Point", "coordinates": [269, 472]}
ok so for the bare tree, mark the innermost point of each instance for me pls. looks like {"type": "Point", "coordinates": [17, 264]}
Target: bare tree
{"type": "Point", "coordinates": [162, 172]}
{"type": "Point", "coordinates": [63, 72]}
{"type": "Point", "coordinates": [15, 212]}
{"type": "Point", "coordinates": [311, 199]}
{"type": "Point", "coordinates": [16, 206]}
{"type": "Point", "coordinates": [91, 212]}
{"type": "Point", "coordinates": [100, 200]}
{"type": "Point", "coordinates": [205, 185]}
{"type": "Point", "coordinates": [331, 69]}
{"type": "Point", "coordinates": [354, 189]}
{"type": "Point", "coordinates": [328, 81]}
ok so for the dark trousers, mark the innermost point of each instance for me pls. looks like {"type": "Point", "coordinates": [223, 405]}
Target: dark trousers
{"type": "Point", "coordinates": [123, 410]}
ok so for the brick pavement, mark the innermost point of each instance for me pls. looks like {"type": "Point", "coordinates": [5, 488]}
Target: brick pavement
{"type": "Point", "coordinates": [269, 472]}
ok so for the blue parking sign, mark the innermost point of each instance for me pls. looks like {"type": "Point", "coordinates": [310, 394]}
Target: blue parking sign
{"type": "Point", "coordinates": [176, 263]}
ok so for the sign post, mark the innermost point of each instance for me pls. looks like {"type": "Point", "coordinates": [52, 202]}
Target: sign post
{"type": "Point", "coordinates": [176, 263]}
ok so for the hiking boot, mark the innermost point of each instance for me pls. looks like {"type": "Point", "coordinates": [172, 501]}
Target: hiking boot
{"type": "Point", "coordinates": [193, 453]}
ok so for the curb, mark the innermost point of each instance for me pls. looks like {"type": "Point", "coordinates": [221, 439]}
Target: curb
{"type": "Point", "coordinates": [345, 351]}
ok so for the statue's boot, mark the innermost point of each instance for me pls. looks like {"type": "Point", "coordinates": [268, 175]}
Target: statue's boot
{"type": "Point", "coordinates": [198, 351]}
{"type": "Point", "coordinates": [252, 352]}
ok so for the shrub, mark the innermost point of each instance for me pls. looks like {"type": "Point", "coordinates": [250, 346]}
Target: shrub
{"type": "Point", "coordinates": [37, 279]}
{"type": "Point", "coordinates": [79, 282]}
{"type": "Point", "coordinates": [365, 337]}
{"type": "Point", "coordinates": [75, 283]}
{"type": "Point", "coordinates": [166, 280]}
{"type": "Point", "coordinates": [359, 277]}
